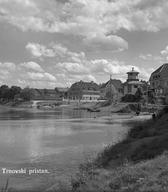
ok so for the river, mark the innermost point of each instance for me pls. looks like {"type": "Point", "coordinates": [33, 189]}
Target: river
{"type": "Point", "coordinates": [56, 141]}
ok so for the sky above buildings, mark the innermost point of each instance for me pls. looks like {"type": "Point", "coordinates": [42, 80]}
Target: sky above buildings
{"type": "Point", "coordinates": [54, 43]}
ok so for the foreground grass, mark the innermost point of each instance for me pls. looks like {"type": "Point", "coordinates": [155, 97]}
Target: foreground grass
{"type": "Point", "coordinates": [151, 175]}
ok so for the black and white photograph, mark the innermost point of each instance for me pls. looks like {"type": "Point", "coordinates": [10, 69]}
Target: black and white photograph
{"type": "Point", "coordinates": [83, 96]}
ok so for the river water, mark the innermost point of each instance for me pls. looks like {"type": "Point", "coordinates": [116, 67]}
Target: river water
{"type": "Point", "coordinates": [56, 141]}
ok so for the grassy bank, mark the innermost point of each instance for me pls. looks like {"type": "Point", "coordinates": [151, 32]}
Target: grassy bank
{"type": "Point", "coordinates": [145, 176]}
{"type": "Point", "coordinates": [144, 141]}
{"type": "Point", "coordinates": [139, 163]}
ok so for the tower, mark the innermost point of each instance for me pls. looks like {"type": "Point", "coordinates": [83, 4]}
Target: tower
{"type": "Point", "coordinates": [132, 75]}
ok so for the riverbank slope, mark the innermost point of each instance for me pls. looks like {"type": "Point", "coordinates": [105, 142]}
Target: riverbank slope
{"type": "Point", "coordinates": [139, 163]}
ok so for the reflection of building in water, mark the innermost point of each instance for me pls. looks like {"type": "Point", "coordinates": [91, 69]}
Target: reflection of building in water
{"type": "Point", "coordinates": [132, 84]}
{"type": "Point", "coordinates": [84, 91]}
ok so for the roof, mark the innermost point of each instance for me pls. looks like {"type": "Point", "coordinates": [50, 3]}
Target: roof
{"type": "Point", "coordinates": [162, 70]}
{"type": "Point", "coordinates": [117, 83]}
{"type": "Point", "coordinates": [135, 83]}
{"type": "Point", "coordinates": [85, 86]}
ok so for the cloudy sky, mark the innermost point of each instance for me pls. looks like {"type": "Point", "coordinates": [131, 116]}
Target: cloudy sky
{"type": "Point", "coordinates": [53, 43]}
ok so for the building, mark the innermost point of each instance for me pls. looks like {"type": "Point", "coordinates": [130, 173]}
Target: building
{"type": "Point", "coordinates": [132, 84]}
{"type": "Point", "coordinates": [84, 92]}
{"type": "Point", "coordinates": [112, 89]}
{"type": "Point", "coordinates": [159, 80]}
{"type": "Point", "coordinates": [159, 83]}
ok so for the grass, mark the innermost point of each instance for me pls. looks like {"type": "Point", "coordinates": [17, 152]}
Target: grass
{"type": "Point", "coordinates": [145, 140]}
{"type": "Point", "coordinates": [5, 188]}
{"type": "Point", "coordinates": [147, 176]}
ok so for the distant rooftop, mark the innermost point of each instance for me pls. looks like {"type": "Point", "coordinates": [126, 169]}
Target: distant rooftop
{"type": "Point", "coordinates": [85, 86]}
{"type": "Point", "coordinates": [116, 82]}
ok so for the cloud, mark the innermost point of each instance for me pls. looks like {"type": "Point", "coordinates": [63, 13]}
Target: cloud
{"type": "Point", "coordinates": [82, 17]}
{"type": "Point", "coordinates": [49, 77]}
{"type": "Point", "coordinates": [54, 50]}
{"type": "Point", "coordinates": [102, 42]}
{"type": "Point", "coordinates": [164, 53]}
{"type": "Point", "coordinates": [41, 76]}
{"type": "Point", "coordinates": [150, 57]}
{"type": "Point", "coordinates": [39, 50]}
{"type": "Point", "coordinates": [73, 68]}
{"type": "Point", "coordinates": [103, 66]}
{"type": "Point", "coordinates": [76, 18]}
{"type": "Point", "coordinates": [32, 66]}
{"type": "Point", "coordinates": [97, 23]}
{"type": "Point", "coordinates": [26, 74]}
{"type": "Point", "coordinates": [117, 69]}
{"type": "Point", "coordinates": [8, 66]}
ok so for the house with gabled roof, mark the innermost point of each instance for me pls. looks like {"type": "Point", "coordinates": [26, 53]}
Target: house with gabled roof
{"type": "Point", "coordinates": [112, 89]}
{"type": "Point", "coordinates": [84, 92]}
{"type": "Point", "coordinates": [159, 80]}
{"type": "Point", "coordinates": [159, 83]}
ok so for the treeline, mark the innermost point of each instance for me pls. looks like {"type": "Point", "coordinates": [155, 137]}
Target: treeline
{"type": "Point", "coordinates": [14, 93]}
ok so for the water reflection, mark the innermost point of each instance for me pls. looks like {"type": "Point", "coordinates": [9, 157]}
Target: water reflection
{"type": "Point", "coordinates": [56, 140]}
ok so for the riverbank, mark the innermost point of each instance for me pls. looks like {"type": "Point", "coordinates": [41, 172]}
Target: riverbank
{"type": "Point", "coordinates": [104, 107]}
{"type": "Point", "coordinates": [138, 163]}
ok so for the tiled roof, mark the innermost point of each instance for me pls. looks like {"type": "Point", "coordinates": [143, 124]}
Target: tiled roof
{"type": "Point", "coordinates": [158, 70]}
{"type": "Point", "coordinates": [85, 86]}
{"type": "Point", "coordinates": [162, 71]}
{"type": "Point", "coordinates": [161, 68]}
{"type": "Point", "coordinates": [117, 83]}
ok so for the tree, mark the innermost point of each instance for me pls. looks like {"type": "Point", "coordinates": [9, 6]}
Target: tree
{"type": "Point", "coordinates": [129, 98]}
{"type": "Point", "coordinates": [26, 94]}
{"type": "Point", "coordinates": [14, 90]}
{"type": "Point", "coordinates": [4, 92]}
{"type": "Point", "coordinates": [138, 94]}
{"type": "Point", "coordinates": [7, 93]}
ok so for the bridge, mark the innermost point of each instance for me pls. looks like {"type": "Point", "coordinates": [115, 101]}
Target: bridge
{"type": "Point", "coordinates": [36, 102]}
